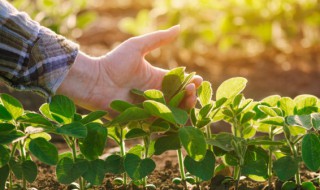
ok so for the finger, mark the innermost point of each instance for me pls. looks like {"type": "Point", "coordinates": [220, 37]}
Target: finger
{"type": "Point", "coordinates": [197, 80]}
{"type": "Point", "coordinates": [151, 41]}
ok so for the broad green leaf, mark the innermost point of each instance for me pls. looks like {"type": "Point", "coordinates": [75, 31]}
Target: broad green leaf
{"type": "Point", "coordinates": [177, 99]}
{"type": "Point", "coordinates": [230, 88]}
{"type": "Point", "coordinates": [159, 126]}
{"type": "Point", "coordinates": [247, 117]}
{"type": "Point", "coordinates": [272, 100]}
{"type": "Point", "coordinates": [289, 185]}
{"type": "Point", "coordinates": [136, 92]}
{"type": "Point", "coordinates": [114, 164]}
{"type": "Point", "coordinates": [155, 95]}
{"type": "Point", "coordinates": [137, 150]}
{"type": "Point", "coordinates": [311, 151]}
{"type": "Point", "coordinates": [169, 142]}
{"type": "Point", "coordinates": [193, 141]}
{"type": "Point", "coordinates": [93, 116]}
{"type": "Point", "coordinates": [62, 109]}
{"type": "Point", "coordinates": [75, 129]}
{"type": "Point", "coordinates": [287, 105]}
{"type": "Point", "coordinates": [203, 169]}
{"type": "Point", "coordinates": [222, 140]}
{"type": "Point", "coordinates": [285, 167]}
{"type": "Point", "coordinates": [180, 116]}
{"type": "Point", "coordinates": [227, 112]}
{"type": "Point", "coordinates": [4, 155]}
{"type": "Point", "coordinates": [172, 81]}
{"type": "Point", "coordinates": [26, 169]}
{"type": "Point", "coordinates": [300, 120]}
{"type": "Point", "coordinates": [13, 106]}
{"type": "Point", "coordinates": [202, 123]}
{"type": "Point", "coordinates": [131, 114]}
{"type": "Point", "coordinates": [255, 164]}
{"type": "Point", "coordinates": [136, 133]}
{"type": "Point", "coordinates": [248, 132]}
{"type": "Point", "coordinates": [93, 144]}
{"type": "Point", "coordinates": [95, 172]}
{"type": "Point", "coordinates": [45, 111]}
{"type": "Point", "coordinates": [6, 128]}
{"type": "Point", "coordinates": [205, 93]}
{"type": "Point", "coordinates": [4, 174]}
{"type": "Point", "coordinates": [4, 114]}
{"type": "Point", "coordinates": [8, 138]}
{"type": "Point", "coordinates": [35, 120]}
{"type": "Point", "coordinates": [205, 111]}
{"type": "Point", "coordinates": [230, 159]}
{"type": "Point", "coordinates": [138, 168]}
{"type": "Point", "coordinates": [45, 151]}
{"type": "Point", "coordinates": [237, 100]}
{"type": "Point", "coordinates": [68, 171]}
{"type": "Point", "coordinates": [159, 110]}
{"type": "Point", "coordinates": [267, 110]}
{"type": "Point", "coordinates": [308, 185]}
{"type": "Point", "coordinates": [305, 104]}
{"type": "Point", "coordinates": [277, 121]}
{"type": "Point", "coordinates": [120, 105]}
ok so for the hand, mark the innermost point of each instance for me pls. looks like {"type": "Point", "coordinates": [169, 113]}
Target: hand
{"type": "Point", "coordinates": [93, 83]}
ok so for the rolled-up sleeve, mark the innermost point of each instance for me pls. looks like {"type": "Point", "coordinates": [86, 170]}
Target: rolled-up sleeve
{"type": "Point", "coordinates": [32, 57]}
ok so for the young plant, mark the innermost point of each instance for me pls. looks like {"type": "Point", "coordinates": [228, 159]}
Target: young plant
{"type": "Point", "coordinates": [86, 139]}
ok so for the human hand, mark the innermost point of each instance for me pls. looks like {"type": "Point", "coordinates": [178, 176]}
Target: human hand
{"type": "Point", "coordinates": [93, 83]}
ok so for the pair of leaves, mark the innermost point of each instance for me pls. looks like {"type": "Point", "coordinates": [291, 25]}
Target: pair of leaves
{"type": "Point", "coordinates": [27, 170]}
{"type": "Point", "coordinates": [138, 168]}
{"type": "Point", "coordinates": [306, 121]}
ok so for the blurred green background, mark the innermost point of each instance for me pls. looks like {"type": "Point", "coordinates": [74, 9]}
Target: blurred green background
{"type": "Point", "coordinates": [273, 43]}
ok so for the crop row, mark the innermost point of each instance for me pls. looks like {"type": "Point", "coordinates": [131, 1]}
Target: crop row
{"type": "Point", "coordinates": [288, 128]}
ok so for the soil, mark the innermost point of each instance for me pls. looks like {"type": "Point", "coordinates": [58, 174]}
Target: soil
{"type": "Point", "coordinates": [271, 72]}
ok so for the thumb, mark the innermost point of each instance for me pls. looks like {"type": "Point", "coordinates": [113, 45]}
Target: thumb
{"type": "Point", "coordinates": [151, 41]}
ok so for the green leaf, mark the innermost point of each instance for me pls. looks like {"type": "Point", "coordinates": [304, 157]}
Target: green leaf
{"type": "Point", "coordinates": [264, 142]}
{"type": "Point", "coordinates": [86, 18]}
{"type": "Point", "coordinates": [36, 120]}
{"type": "Point", "coordinates": [45, 110]}
{"type": "Point", "coordinates": [311, 151]}
{"type": "Point", "coordinates": [177, 99]}
{"type": "Point", "coordinates": [222, 140]}
{"type": "Point", "coordinates": [136, 133]}
{"type": "Point", "coordinates": [180, 116]}
{"type": "Point", "coordinates": [172, 82]}
{"type": "Point", "coordinates": [247, 117]}
{"type": "Point", "coordinates": [316, 120]}
{"type": "Point", "coordinates": [287, 105]}
{"type": "Point", "coordinates": [289, 185]}
{"type": "Point", "coordinates": [300, 120]}
{"type": "Point", "coordinates": [272, 100]}
{"type": "Point", "coordinates": [13, 106]}
{"type": "Point", "coordinates": [205, 111]}
{"type": "Point", "coordinates": [159, 110]}
{"type": "Point", "coordinates": [237, 100]}
{"type": "Point", "coordinates": [267, 110]}
{"type": "Point", "coordinates": [155, 95]}
{"type": "Point", "coordinates": [4, 155]}
{"type": "Point", "coordinates": [120, 105]}
{"type": "Point", "coordinates": [187, 80]}
{"type": "Point", "coordinates": [4, 114]}
{"type": "Point", "coordinates": [278, 121]}
{"type": "Point", "coordinates": [45, 151]}
{"type": "Point", "coordinates": [137, 92]}
{"type": "Point", "coordinates": [75, 129]}
{"type": "Point", "coordinates": [68, 171]}
{"type": "Point", "coordinates": [285, 167]}
{"type": "Point", "coordinates": [6, 128]}
{"type": "Point", "coordinates": [159, 126]}
{"type": "Point", "coordinates": [95, 172]}
{"type": "Point", "coordinates": [230, 159]}
{"type": "Point", "coordinates": [169, 142]}
{"type": "Point", "coordinates": [93, 116]}
{"type": "Point", "coordinates": [27, 169]}
{"type": "Point", "coordinates": [230, 88]}
{"type": "Point", "coordinates": [193, 141]}
{"type": "Point", "coordinates": [138, 168]}
{"type": "Point", "coordinates": [131, 114]}
{"type": "Point", "coordinates": [203, 169]}
{"type": "Point", "coordinates": [204, 122]}
{"type": "Point", "coordinates": [62, 109]}
{"type": "Point", "coordinates": [93, 144]}
{"type": "Point", "coordinates": [307, 185]}
{"type": "Point", "coordinates": [205, 93]}
{"type": "Point", "coordinates": [4, 174]}
{"type": "Point", "coordinates": [137, 150]}
{"type": "Point", "coordinates": [114, 164]}
{"type": "Point", "coordinates": [255, 164]}
{"type": "Point", "coordinates": [305, 104]}
{"type": "Point", "coordinates": [8, 138]}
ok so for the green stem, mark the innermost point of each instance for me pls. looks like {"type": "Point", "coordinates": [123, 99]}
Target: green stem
{"type": "Point", "coordinates": [297, 176]}
{"type": "Point", "coordinates": [181, 168]}
{"type": "Point", "coordinates": [146, 147]}
{"type": "Point", "coordinates": [14, 148]}
{"type": "Point", "coordinates": [236, 176]}
{"type": "Point", "coordinates": [23, 158]}
{"type": "Point", "coordinates": [208, 133]}
{"type": "Point", "coordinates": [271, 135]}
{"type": "Point", "coordinates": [123, 153]}
{"type": "Point", "coordinates": [73, 145]}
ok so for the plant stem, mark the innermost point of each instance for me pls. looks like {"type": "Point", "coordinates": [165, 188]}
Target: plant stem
{"type": "Point", "coordinates": [271, 136]}
{"type": "Point", "coordinates": [72, 144]}
{"type": "Point", "coordinates": [146, 147]}
{"type": "Point", "coordinates": [123, 153]}
{"type": "Point", "coordinates": [208, 133]}
{"type": "Point", "coordinates": [297, 176]}
{"type": "Point", "coordinates": [236, 176]}
{"type": "Point", "coordinates": [23, 158]}
{"type": "Point", "coordinates": [14, 148]}
{"type": "Point", "coordinates": [181, 168]}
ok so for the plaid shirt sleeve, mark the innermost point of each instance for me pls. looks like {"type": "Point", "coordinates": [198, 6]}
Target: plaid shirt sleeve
{"type": "Point", "coordinates": [32, 57]}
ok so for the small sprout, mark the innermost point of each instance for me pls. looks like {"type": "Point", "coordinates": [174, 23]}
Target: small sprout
{"type": "Point", "coordinates": [191, 180]}
{"type": "Point", "coordinates": [118, 181]}
{"type": "Point", "coordinates": [151, 187]}
{"type": "Point", "coordinates": [177, 180]}
{"type": "Point", "coordinates": [73, 186]}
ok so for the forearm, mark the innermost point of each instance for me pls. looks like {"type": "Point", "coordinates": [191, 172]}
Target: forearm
{"type": "Point", "coordinates": [32, 57]}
